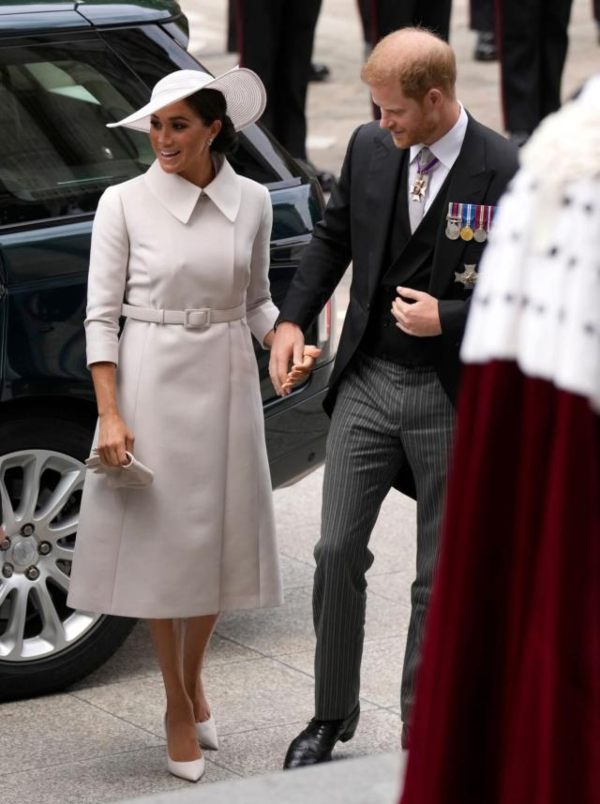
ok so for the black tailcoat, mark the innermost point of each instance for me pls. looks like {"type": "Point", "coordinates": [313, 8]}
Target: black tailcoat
{"type": "Point", "coordinates": [355, 228]}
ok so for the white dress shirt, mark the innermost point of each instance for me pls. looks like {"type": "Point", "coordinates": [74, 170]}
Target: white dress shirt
{"type": "Point", "coordinates": [446, 149]}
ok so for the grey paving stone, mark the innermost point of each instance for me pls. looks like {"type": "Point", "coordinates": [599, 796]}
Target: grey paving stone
{"type": "Point", "coordinates": [139, 701]}
{"type": "Point", "coordinates": [296, 573]}
{"type": "Point", "coordinates": [385, 618]}
{"type": "Point", "coordinates": [303, 661]}
{"type": "Point", "coordinates": [58, 729]}
{"type": "Point", "coordinates": [243, 696]}
{"type": "Point", "coordinates": [252, 695]}
{"type": "Point", "coordinates": [104, 779]}
{"type": "Point", "coordinates": [393, 541]}
{"type": "Point", "coordinates": [270, 631]}
{"type": "Point", "coordinates": [223, 651]}
{"type": "Point", "coordinates": [298, 518]}
{"type": "Point", "coordinates": [133, 659]}
{"type": "Point", "coordinates": [367, 780]}
{"type": "Point", "coordinates": [392, 586]}
{"type": "Point", "coordinates": [382, 670]}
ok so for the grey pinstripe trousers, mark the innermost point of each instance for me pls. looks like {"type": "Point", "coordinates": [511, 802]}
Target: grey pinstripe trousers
{"type": "Point", "coordinates": [384, 414]}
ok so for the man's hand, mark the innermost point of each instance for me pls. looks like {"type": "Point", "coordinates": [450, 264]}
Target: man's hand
{"type": "Point", "coordinates": [420, 318]}
{"type": "Point", "coordinates": [287, 349]}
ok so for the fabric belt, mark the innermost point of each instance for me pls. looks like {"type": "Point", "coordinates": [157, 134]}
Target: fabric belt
{"type": "Point", "coordinates": [199, 318]}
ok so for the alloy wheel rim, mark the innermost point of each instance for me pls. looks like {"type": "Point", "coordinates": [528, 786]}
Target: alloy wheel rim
{"type": "Point", "coordinates": [40, 492]}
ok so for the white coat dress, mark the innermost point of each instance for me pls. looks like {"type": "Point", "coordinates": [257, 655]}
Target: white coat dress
{"type": "Point", "coordinates": [201, 538]}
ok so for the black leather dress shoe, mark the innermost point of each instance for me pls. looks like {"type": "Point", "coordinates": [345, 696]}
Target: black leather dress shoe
{"type": "Point", "coordinates": [485, 49]}
{"type": "Point", "coordinates": [404, 737]}
{"type": "Point", "coordinates": [315, 743]}
{"type": "Point", "coordinates": [319, 72]}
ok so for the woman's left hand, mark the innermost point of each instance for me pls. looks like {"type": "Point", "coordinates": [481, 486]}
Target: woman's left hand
{"type": "Point", "coordinates": [300, 371]}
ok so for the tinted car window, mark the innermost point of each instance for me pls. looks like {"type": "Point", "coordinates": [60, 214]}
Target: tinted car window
{"type": "Point", "coordinates": [248, 161]}
{"type": "Point", "coordinates": [57, 154]}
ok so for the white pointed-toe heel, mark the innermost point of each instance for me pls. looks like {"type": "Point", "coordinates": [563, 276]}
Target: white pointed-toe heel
{"type": "Point", "coordinates": [207, 734]}
{"type": "Point", "coordinates": [190, 771]}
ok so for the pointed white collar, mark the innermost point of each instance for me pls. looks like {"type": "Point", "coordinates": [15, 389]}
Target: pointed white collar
{"type": "Point", "coordinates": [179, 196]}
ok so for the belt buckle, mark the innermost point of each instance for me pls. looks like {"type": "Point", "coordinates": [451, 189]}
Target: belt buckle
{"type": "Point", "coordinates": [196, 319]}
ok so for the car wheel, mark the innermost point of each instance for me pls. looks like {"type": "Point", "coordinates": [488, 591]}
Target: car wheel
{"type": "Point", "coordinates": [44, 644]}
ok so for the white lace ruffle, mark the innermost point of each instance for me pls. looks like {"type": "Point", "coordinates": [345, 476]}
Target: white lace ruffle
{"type": "Point", "coordinates": [537, 299]}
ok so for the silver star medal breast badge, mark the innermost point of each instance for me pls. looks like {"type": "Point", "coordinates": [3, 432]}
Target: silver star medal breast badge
{"type": "Point", "coordinates": [468, 277]}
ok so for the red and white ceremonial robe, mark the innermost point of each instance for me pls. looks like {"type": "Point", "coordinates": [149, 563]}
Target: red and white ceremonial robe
{"type": "Point", "coordinates": [508, 697]}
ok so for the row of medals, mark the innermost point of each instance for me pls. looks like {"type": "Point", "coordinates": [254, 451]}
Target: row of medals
{"type": "Point", "coordinates": [456, 228]}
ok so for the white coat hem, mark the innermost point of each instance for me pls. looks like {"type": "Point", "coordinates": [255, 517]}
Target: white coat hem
{"type": "Point", "coordinates": [231, 603]}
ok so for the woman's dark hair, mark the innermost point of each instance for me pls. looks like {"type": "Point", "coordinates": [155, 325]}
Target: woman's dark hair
{"type": "Point", "coordinates": [210, 105]}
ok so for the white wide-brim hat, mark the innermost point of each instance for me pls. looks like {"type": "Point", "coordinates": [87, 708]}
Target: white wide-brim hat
{"type": "Point", "coordinates": [244, 93]}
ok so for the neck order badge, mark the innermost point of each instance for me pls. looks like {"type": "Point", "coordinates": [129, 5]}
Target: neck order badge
{"type": "Point", "coordinates": [426, 163]}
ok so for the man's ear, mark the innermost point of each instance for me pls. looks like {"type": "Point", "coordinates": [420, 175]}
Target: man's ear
{"type": "Point", "coordinates": [435, 97]}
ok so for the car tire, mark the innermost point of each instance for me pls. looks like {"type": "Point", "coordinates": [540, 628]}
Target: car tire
{"type": "Point", "coordinates": [45, 646]}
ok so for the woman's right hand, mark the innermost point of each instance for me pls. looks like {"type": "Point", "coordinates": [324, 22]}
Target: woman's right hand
{"type": "Point", "coordinates": [301, 371]}
{"type": "Point", "coordinates": [114, 439]}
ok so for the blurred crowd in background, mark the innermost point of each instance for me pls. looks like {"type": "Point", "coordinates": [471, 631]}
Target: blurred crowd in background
{"type": "Point", "coordinates": [529, 38]}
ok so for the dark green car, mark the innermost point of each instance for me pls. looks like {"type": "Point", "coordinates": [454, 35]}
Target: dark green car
{"type": "Point", "coordinates": [66, 69]}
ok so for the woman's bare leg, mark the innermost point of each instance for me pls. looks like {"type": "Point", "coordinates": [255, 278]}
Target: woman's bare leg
{"type": "Point", "coordinates": [167, 638]}
{"type": "Point", "coordinates": [196, 636]}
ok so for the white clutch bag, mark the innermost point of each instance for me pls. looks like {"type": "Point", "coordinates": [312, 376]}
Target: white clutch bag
{"type": "Point", "coordinates": [132, 475]}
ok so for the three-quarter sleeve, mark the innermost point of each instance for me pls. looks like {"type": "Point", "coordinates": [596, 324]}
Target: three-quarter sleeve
{"type": "Point", "coordinates": [109, 258]}
{"type": "Point", "coordinates": [261, 313]}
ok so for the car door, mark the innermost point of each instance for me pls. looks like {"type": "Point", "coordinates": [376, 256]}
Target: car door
{"type": "Point", "coordinates": [2, 320]}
